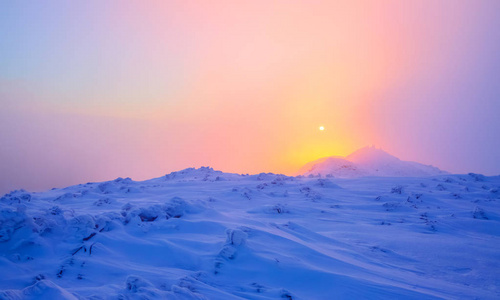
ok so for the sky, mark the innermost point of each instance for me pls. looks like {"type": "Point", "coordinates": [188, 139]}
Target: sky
{"type": "Point", "coordinates": [93, 90]}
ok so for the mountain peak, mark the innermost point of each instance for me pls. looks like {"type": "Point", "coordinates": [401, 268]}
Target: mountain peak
{"type": "Point", "coordinates": [371, 155]}
{"type": "Point", "coordinates": [368, 161]}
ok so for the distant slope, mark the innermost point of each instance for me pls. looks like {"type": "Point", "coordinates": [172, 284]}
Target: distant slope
{"type": "Point", "coordinates": [368, 161]}
{"type": "Point", "coordinates": [334, 166]}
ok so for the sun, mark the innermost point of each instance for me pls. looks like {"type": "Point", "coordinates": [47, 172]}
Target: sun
{"type": "Point", "coordinates": [321, 128]}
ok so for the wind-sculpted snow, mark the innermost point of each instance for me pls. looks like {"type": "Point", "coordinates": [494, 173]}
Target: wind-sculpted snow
{"type": "Point", "coordinates": [204, 234]}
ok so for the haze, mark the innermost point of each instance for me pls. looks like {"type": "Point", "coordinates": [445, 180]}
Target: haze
{"type": "Point", "coordinates": [93, 90]}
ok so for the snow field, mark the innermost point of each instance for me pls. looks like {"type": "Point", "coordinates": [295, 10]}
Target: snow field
{"type": "Point", "coordinates": [204, 234]}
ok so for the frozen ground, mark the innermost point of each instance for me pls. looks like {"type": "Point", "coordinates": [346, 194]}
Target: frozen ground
{"type": "Point", "coordinates": [203, 234]}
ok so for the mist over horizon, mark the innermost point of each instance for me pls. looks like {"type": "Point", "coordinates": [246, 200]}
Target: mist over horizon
{"type": "Point", "coordinates": [48, 183]}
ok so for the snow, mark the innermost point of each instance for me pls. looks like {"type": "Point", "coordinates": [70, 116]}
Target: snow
{"type": "Point", "coordinates": [368, 161]}
{"type": "Point", "coordinates": [205, 234]}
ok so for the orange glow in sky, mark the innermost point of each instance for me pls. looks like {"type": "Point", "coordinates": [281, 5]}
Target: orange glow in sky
{"type": "Point", "coordinates": [141, 88]}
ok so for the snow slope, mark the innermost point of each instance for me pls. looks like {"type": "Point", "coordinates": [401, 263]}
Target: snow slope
{"type": "Point", "coordinates": [368, 161]}
{"type": "Point", "coordinates": [204, 234]}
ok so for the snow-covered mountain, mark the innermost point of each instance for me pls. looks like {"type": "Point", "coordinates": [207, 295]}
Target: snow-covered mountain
{"type": "Point", "coordinates": [368, 161]}
{"type": "Point", "coordinates": [205, 234]}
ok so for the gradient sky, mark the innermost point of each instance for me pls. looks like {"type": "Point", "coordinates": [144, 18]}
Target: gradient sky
{"type": "Point", "coordinates": [93, 90]}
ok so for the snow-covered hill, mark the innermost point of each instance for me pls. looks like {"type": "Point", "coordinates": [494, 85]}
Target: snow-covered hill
{"type": "Point", "coordinates": [204, 234]}
{"type": "Point", "coordinates": [368, 161]}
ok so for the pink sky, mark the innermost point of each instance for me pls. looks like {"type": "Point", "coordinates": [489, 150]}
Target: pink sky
{"type": "Point", "coordinates": [92, 90]}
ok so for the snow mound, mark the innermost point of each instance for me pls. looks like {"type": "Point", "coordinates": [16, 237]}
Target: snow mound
{"type": "Point", "coordinates": [368, 161]}
{"type": "Point", "coordinates": [200, 174]}
{"type": "Point", "coordinates": [44, 289]}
